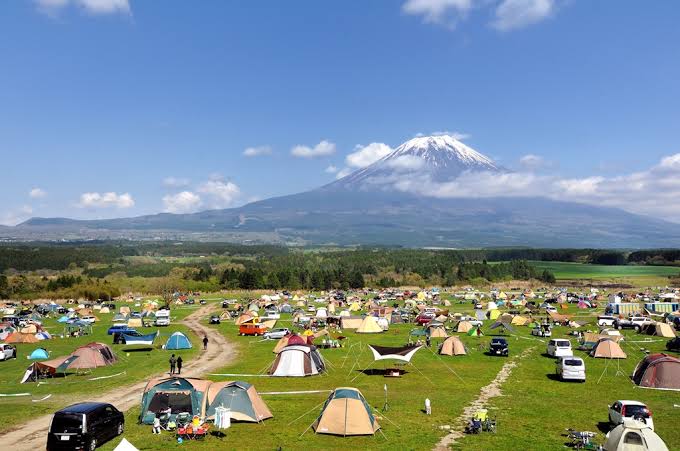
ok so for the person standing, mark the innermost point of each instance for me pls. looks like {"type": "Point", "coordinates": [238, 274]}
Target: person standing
{"type": "Point", "coordinates": [428, 407]}
{"type": "Point", "coordinates": [156, 425]}
{"type": "Point", "coordinates": [172, 362]}
{"type": "Point", "coordinates": [205, 342]}
{"type": "Point", "coordinates": [179, 365]}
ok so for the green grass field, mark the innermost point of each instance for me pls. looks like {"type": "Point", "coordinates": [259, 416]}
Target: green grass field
{"type": "Point", "coordinates": [137, 366]}
{"type": "Point", "coordinates": [532, 414]}
{"type": "Point", "coordinates": [635, 274]}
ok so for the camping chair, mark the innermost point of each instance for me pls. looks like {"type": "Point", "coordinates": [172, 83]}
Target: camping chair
{"type": "Point", "coordinates": [183, 419]}
{"type": "Point", "coordinates": [474, 426]}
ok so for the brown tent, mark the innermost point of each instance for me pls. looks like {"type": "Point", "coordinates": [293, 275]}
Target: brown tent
{"type": "Point", "coordinates": [241, 398]}
{"type": "Point", "coordinates": [437, 332]}
{"type": "Point", "coordinates": [519, 320]}
{"type": "Point", "coordinates": [18, 337]}
{"type": "Point", "coordinates": [463, 327]}
{"type": "Point", "coordinates": [658, 371]}
{"type": "Point", "coordinates": [245, 318]}
{"type": "Point", "coordinates": [346, 412]}
{"type": "Point", "coordinates": [352, 322]}
{"type": "Point", "coordinates": [452, 346]}
{"type": "Point", "coordinates": [92, 355]}
{"type": "Point", "coordinates": [607, 349]}
{"type": "Point", "coordinates": [290, 339]}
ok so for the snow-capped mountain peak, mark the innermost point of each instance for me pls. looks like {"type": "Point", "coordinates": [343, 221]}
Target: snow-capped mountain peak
{"type": "Point", "coordinates": [440, 158]}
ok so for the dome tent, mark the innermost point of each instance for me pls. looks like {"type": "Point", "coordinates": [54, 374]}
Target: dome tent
{"type": "Point", "coordinates": [178, 394]}
{"type": "Point", "coordinates": [345, 413]}
{"type": "Point", "coordinates": [178, 341]}
{"type": "Point", "coordinates": [241, 398]}
{"type": "Point", "coordinates": [297, 361]}
{"type": "Point", "coordinates": [452, 346]}
{"type": "Point", "coordinates": [658, 371]}
{"type": "Point", "coordinates": [39, 354]}
{"type": "Point", "coordinates": [633, 435]}
{"type": "Point", "coordinates": [369, 326]}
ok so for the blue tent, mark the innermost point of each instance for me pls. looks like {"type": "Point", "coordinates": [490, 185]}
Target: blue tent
{"type": "Point", "coordinates": [38, 354]}
{"type": "Point", "coordinates": [178, 341]}
{"type": "Point", "coordinates": [63, 319]}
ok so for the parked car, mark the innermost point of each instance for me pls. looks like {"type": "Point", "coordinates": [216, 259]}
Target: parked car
{"type": "Point", "coordinates": [162, 318]}
{"type": "Point", "coordinates": [189, 302]}
{"type": "Point", "coordinates": [542, 330]}
{"type": "Point", "coordinates": [215, 319]}
{"type": "Point", "coordinates": [276, 333]}
{"type": "Point", "coordinates": [203, 302]}
{"type": "Point", "coordinates": [673, 344]}
{"type": "Point", "coordinates": [605, 320]}
{"type": "Point", "coordinates": [499, 346]}
{"type": "Point", "coordinates": [7, 352]}
{"type": "Point", "coordinates": [570, 368]}
{"type": "Point", "coordinates": [424, 318]}
{"type": "Point", "coordinates": [559, 347]}
{"type": "Point", "coordinates": [118, 328]}
{"type": "Point", "coordinates": [272, 314]}
{"type": "Point", "coordinates": [84, 426]}
{"type": "Point", "coordinates": [88, 319]}
{"type": "Point", "coordinates": [630, 409]}
{"type": "Point", "coordinates": [251, 329]}
{"type": "Point", "coordinates": [634, 322]}
{"type": "Point", "coordinates": [472, 320]}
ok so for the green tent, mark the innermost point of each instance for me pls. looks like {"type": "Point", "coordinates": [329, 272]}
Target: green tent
{"type": "Point", "coordinates": [418, 332]}
{"type": "Point", "coordinates": [475, 332]}
{"type": "Point", "coordinates": [176, 393]}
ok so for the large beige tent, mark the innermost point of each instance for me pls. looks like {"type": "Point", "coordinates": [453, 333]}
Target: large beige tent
{"type": "Point", "coordinates": [134, 322]}
{"type": "Point", "coordinates": [369, 326]}
{"type": "Point", "coordinates": [607, 349]}
{"type": "Point", "coordinates": [452, 346]}
{"type": "Point", "coordinates": [241, 398]}
{"type": "Point", "coordinates": [437, 332]}
{"type": "Point", "coordinates": [519, 320]}
{"type": "Point", "coordinates": [352, 322]}
{"type": "Point", "coordinates": [633, 435]}
{"type": "Point", "coordinates": [664, 330]}
{"type": "Point", "coordinates": [346, 412]}
{"type": "Point", "coordinates": [463, 327]}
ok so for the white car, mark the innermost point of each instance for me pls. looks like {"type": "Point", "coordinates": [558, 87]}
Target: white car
{"type": "Point", "coordinates": [632, 410]}
{"type": "Point", "coordinates": [472, 320]}
{"type": "Point", "coordinates": [276, 333]}
{"type": "Point", "coordinates": [272, 314]}
{"type": "Point", "coordinates": [7, 352]}
{"type": "Point", "coordinates": [570, 368]}
{"type": "Point", "coordinates": [559, 347]}
{"type": "Point", "coordinates": [605, 320]}
{"type": "Point", "coordinates": [88, 319]}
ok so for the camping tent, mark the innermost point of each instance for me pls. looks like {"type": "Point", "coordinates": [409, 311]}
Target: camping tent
{"type": "Point", "coordinates": [502, 324]}
{"type": "Point", "coordinates": [452, 346]}
{"type": "Point", "coordinates": [590, 339]}
{"type": "Point", "coordinates": [39, 354]}
{"type": "Point", "coordinates": [179, 394]}
{"type": "Point", "coordinates": [291, 339]}
{"type": "Point", "coordinates": [134, 322]}
{"type": "Point", "coordinates": [607, 349]}
{"type": "Point", "coordinates": [47, 368]}
{"type": "Point", "coordinates": [297, 361]}
{"type": "Point", "coordinates": [178, 341]}
{"type": "Point", "coordinates": [519, 320]}
{"type": "Point", "coordinates": [351, 322]}
{"type": "Point", "coordinates": [124, 445]}
{"type": "Point", "coordinates": [633, 435]}
{"type": "Point", "coordinates": [664, 330]}
{"type": "Point", "coordinates": [241, 398]}
{"type": "Point", "coordinates": [404, 353]}
{"type": "Point", "coordinates": [18, 337]}
{"type": "Point", "coordinates": [475, 332]}
{"type": "Point", "coordinates": [369, 326]}
{"type": "Point", "coordinates": [346, 412]}
{"type": "Point", "coordinates": [493, 314]}
{"type": "Point", "coordinates": [658, 371]}
{"type": "Point", "coordinates": [437, 332]}
{"type": "Point", "coordinates": [92, 355]}
{"type": "Point", "coordinates": [464, 327]}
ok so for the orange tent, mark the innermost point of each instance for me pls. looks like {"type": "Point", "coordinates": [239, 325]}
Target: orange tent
{"type": "Point", "coordinates": [18, 337]}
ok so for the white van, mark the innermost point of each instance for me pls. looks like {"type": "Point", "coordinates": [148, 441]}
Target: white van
{"type": "Point", "coordinates": [570, 368]}
{"type": "Point", "coordinates": [559, 347]}
{"type": "Point", "coordinates": [162, 317]}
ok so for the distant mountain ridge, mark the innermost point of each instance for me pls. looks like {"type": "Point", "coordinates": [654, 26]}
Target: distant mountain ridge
{"type": "Point", "coordinates": [363, 208]}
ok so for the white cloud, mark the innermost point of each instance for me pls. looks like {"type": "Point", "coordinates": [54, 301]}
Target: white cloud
{"type": "Point", "coordinates": [14, 217]}
{"type": "Point", "coordinates": [324, 148]}
{"type": "Point", "coordinates": [343, 173]}
{"type": "Point", "coordinates": [438, 11]}
{"type": "Point", "coordinates": [223, 193]}
{"type": "Point", "coordinates": [655, 191]}
{"type": "Point", "coordinates": [257, 151]}
{"type": "Point", "coordinates": [366, 155]}
{"type": "Point", "coordinates": [532, 162]}
{"type": "Point", "coordinates": [331, 169]}
{"type": "Point", "coordinates": [513, 14]}
{"type": "Point", "coordinates": [106, 200]}
{"type": "Point", "coordinates": [52, 7]}
{"type": "Point", "coordinates": [37, 193]}
{"type": "Point", "coordinates": [176, 182]}
{"type": "Point", "coordinates": [406, 163]}
{"type": "Point", "coordinates": [182, 202]}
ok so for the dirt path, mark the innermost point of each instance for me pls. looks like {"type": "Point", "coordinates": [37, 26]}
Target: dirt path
{"type": "Point", "coordinates": [489, 391]}
{"type": "Point", "coordinates": [33, 434]}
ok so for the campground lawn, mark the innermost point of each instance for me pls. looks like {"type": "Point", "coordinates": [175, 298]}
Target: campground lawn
{"type": "Point", "coordinates": [131, 367]}
{"type": "Point", "coordinates": [532, 413]}
{"type": "Point", "coordinates": [636, 275]}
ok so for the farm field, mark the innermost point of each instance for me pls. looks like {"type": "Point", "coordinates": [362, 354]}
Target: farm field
{"type": "Point", "coordinates": [636, 275]}
{"type": "Point", "coordinates": [532, 414]}
{"type": "Point", "coordinates": [131, 367]}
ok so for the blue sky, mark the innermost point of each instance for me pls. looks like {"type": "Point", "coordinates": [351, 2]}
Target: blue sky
{"type": "Point", "coordinates": [121, 107]}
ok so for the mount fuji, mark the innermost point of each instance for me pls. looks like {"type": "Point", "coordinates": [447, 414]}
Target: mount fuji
{"type": "Point", "coordinates": [368, 208]}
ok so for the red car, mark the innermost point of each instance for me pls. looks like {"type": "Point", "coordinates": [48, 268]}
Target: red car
{"type": "Point", "coordinates": [425, 318]}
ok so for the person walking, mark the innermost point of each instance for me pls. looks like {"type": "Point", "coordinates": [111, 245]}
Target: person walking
{"type": "Point", "coordinates": [179, 365]}
{"type": "Point", "coordinates": [205, 342]}
{"type": "Point", "coordinates": [428, 341]}
{"type": "Point", "coordinates": [173, 362]}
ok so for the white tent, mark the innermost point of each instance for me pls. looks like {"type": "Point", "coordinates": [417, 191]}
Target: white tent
{"type": "Point", "coordinates": [369, 326]}
{"type": "Point", "coordinates": [124, 445]}
{"type": "Point", "coordinates": [297, 361]}
{"type": "Point", "coordinates": [633, 435]}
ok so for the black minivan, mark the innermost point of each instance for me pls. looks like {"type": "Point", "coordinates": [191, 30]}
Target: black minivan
{"type": "Point", "coordinates": [84, 426]}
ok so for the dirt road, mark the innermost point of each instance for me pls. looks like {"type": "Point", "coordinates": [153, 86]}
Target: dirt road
{"type": "Point", "coordinates": [33, 434]}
